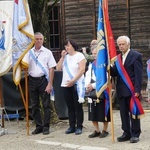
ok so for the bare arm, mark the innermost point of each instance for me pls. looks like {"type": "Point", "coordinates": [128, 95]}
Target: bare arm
{"type": "Point", "coordinates": [59, 64]}
{"type": "Point", "coordinates": [50, 83]}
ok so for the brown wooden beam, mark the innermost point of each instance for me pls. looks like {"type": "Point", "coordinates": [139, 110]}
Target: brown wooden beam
{"type": "Point", "coordinates": [63, 29]}
{"type": "Point", "coordinates": [128, 18]}
{"type": "Point", "coordinates": [94, 20]}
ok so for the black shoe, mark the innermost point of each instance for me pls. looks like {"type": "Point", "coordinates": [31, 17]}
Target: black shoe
{"type": "Point", "coordinates": [103, 134]}
{"type": "Point", "coordinates": [94, 134]}
{"type": "Point", "coordinates": [134, 139]}
{"type": "Point", "coordinates": [70, 130]}
{"type": "Point", "coordinates": [123, 138]}
{"type": "Point", "coordinates": [37, 131]}
{"type": "Point", "coordinates": [46, 131]}
{"type": "Point", "coordinates": [78, 131]}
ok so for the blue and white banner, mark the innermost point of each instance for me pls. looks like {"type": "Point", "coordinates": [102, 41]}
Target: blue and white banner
{"type": "Point", "coordinates": [6, 19]}
{"type": "Point", "coordinates": [16, 36]}
{"type": "Point", "coordinates": [102, 54]}
{"type": "Point", "coordinates": [23, 36]}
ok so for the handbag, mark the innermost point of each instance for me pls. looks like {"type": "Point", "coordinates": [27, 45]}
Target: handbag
{"type": "Point", "coordinates": [92, 95]}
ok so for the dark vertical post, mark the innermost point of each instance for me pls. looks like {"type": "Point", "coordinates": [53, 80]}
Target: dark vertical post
{"type": "Point", "coordinates": [1, 103]}
{"type": "Point", "coordinates": [94, 20]}
{"type": "Point", "coordinates": [128, 18]}
{"type": "Point", "coordinates": [63, 31]}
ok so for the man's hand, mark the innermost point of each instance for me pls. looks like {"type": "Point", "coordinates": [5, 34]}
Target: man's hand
{"type": "Point", "coordinates": [48, 89]}
{"type": "Point", "coordinates": [136, 94]}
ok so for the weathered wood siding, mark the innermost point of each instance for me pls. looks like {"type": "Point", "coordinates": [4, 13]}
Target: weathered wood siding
{"type": "Point", "coordinates": [80, 23]}
{"type": "Point", "coordinates": [140, 29]}
{"type": "Point", "coordinates": [136, 26]}
{"type": "Point", "coordinates": [118, 17]}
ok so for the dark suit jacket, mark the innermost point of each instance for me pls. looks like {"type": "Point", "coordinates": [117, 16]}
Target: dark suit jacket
{"type": "Point", "coordinates": [134, 67]}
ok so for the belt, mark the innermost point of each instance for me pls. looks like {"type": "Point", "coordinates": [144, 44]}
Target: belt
{"type": "Point", "coordinates": [37, 78]}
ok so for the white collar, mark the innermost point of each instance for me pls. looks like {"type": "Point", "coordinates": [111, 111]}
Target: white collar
{"type": "Point", "coordinates": [126, 53]}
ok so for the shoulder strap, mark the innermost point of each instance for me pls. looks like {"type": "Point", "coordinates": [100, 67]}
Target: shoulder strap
{"type": "Point", "coordinates": [67, 68]}
{"type": "Point", "coordinates": [39, 64]}
{"type": "Point", "coordinates": [135, 105]}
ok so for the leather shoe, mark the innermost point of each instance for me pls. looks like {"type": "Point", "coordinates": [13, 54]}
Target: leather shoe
{"type": "Point", "coordinates": [134, 139]}
{"type": "Point", "coordinates": [46, 131]}
{"type": "Point", "coordinates": [70, 130]}
{"type": "Point", "coordinates": [37, 131]}
{"type": "Point", "coordinates": [123, 138]}
{"type": "Point", "coordinates": [103, 134]}
{"type": "Point", "coordinates": [94, 134]}
{"type": "Point", "coordinates": [78, 131]}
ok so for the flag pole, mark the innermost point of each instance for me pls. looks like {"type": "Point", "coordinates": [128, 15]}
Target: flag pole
{"type": "Point", "coordinates": [110, 96]}
{"type": "Point", "coordinates": [111, 108]}
{"type": "Point", "coordinates": [23, 98]}
{"type": "Point", "coordinates": [27, 100]}
{"type": "Point", "coordinates": [105, 6]}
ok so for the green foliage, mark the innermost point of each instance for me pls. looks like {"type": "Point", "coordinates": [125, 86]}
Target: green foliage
{"type": "Point", "coordinates": [40, 10]}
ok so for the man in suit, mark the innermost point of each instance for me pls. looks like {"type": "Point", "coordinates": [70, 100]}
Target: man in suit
{"type": "Point", "coordinates": [132, 64]}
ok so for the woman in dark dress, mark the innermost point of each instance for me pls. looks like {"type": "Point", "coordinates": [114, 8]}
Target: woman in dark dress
{"type": "Point", "coordinates": [96, 110]}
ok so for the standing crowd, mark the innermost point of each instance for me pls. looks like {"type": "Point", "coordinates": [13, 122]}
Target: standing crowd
{"type": "Point", "coordinates": [77, 81]}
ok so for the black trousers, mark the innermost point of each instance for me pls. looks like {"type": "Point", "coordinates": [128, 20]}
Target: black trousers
{"type": "Point", "coordinates": [37, 88]}
{"type": "Point", "coordinates": [130, 126]}
{"type": "Point", "coordinates": [75, 110]}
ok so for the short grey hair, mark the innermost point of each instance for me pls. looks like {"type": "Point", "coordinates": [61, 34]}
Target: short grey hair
{"type": "Point", "coordinates": [38, 33]}
{"type": "Point", "coordinates": [126, 38]}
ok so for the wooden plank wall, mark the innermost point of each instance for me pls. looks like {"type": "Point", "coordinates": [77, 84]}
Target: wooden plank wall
{"type": "Point", "coordinates": [118, 17]}
{"type": "Point", "coordinates": [139, 25]}
{"type": "Point", "coordinates": [79, 21]}
{"type": "Point", "coordinates": [140, 30]}
{"type": "Point", "coordinates": [80, 15]}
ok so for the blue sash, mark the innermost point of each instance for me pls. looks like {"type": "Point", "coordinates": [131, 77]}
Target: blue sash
{"type": "Point", "coordinates": [79, 83]}
{"type": "Point", "coordinates": [148, 69]}
{"type": "Point", "coordinates": [135, 105]}
{"type": "Point", "coordinates": [39, 64]}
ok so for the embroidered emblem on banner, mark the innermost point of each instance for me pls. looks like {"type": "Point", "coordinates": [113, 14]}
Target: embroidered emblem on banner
{"type": "Point", "coordinates": [2, 35]}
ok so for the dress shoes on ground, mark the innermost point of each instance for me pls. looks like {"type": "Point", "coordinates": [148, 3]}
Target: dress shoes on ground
{"type": "Point", "coordinates": [134, 139]}
{"type": "Point", "coordinates": [103, 134]}
{"type": "Point", "coordinates": [78, 131]}
{"type": "Point", "coordinates": [94, 134]}
{"type": "Point", "coordinates": [123, 138]}
{"type": "Point", "coordinates": [46, 131]}
{"type": "Point", "coordinates": [70, 130]}
{"type": "Point", "coordinates": [37, 131]}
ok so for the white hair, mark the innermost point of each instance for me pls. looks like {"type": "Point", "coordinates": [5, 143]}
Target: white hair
{"type": "Point", "coordinates": [126, 38]}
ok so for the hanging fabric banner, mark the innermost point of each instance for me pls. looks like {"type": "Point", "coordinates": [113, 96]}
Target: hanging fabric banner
{"type": "Point", "coordinates": [23, 36]}
{"type": "Point", "coordinates": [6, 19]}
